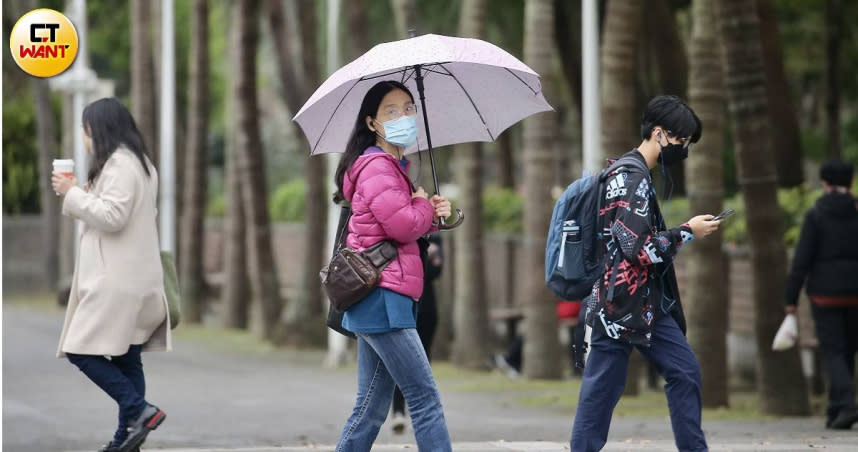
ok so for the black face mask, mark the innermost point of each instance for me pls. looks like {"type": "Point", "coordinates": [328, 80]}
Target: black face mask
{"type": "Point", "coordinates": [672, 153]}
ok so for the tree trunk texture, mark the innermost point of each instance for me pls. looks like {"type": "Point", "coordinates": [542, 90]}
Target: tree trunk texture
{"type": "Point", "coordinates": [235, 296]}
{"type": "Point", "coordinates": [833, 32]}
{"type": "Point", "coordinates": [706, 300]}
{"type": "Point", "coordinates": [567, 35]}
{"type": "Point", "coordinates": [311, 299]}
{"type": "Point", "coordinates": [781, 383]}
{"type": "Point", "coordinates": [669, 62]}
{"type": "Point", "coordinates": [292, 92]}
{"type": "Point", "coordinates": [47, 138]}
{"type": "Point", "coordinates": [143, 96]}
{"type": "Point", "coordinates": [542, 351]}
{"type": "Point", "coordinates": [196, 183]}
{"type": "Point", "coordinates": [470, 314]}
{"type": "Point", "coordinates": [620, 37]}
{"type": "Point", "coordinates": [506, 161]}
{"type": "Point", "coordinates": [262, 271]}
{"type": "Point", "coordinates": [567, 31]}
{"type": "Point", "coordinates": [358, 37]}
{"type": "Point", "coordinates": [787, 141]}
{"type": "Point", "coordinates": [405, 15]}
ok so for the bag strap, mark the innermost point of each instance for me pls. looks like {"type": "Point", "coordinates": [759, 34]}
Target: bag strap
{"type": "Point", "coordinates": [342, 226]}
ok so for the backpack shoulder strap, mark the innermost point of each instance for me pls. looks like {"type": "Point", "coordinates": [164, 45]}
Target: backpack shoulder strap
{"type": "Point", "coordinates": [626, 164]}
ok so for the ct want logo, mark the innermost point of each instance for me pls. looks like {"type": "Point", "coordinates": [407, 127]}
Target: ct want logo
{"type": "Point", "coordinates": [43, 42]}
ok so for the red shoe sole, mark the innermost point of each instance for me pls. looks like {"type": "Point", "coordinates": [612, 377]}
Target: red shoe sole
{"type": "Point", "coordinates": [156, 420]}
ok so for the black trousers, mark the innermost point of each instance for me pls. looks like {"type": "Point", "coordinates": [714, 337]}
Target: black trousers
{"type": "Point", "coordinates": [837, 331]}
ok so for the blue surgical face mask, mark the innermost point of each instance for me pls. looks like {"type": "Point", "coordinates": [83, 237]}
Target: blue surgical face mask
{"type": "Point", "coordinates": [401, 132]}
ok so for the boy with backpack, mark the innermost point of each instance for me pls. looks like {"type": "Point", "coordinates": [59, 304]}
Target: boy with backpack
{"type": "Point", "coordinates": [634, 300]}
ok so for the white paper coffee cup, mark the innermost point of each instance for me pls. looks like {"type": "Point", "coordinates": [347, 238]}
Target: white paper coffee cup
{"type": "Point", "coordinates": [64, 167]}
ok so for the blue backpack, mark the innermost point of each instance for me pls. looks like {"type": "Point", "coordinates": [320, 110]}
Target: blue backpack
{"type": "Point", "coordinates": [572, 257]}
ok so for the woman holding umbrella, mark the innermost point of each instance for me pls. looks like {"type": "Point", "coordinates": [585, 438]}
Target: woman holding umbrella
{"type": "Point", "coordinates": [372, 175]}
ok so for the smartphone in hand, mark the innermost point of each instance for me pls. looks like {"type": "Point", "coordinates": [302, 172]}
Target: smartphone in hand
{"type": "Point", "coordinates": [723, 215]}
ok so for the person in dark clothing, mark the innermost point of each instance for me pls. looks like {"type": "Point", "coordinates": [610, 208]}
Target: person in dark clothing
{"type": "Point", "coordinates": [427, 316]}
{"type": "Point", "coordinates": [826, 256]}
{"type": "Point", "coordinates": [636, 302]}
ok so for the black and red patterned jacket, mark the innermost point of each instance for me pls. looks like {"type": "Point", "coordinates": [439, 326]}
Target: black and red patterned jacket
{"type": "Point", "coordinates": [639, 284]}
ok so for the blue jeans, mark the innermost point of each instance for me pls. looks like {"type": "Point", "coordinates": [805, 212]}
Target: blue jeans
{"type": "Point", "coordinates": [121, 377]}
{"type": "Point", "coordinates": [605, 377]}
{"type": "Point", "coordinates": [385, 360]}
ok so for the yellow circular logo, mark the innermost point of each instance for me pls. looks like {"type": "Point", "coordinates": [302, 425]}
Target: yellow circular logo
{"type": "Point", "coordinates": [43, 42]}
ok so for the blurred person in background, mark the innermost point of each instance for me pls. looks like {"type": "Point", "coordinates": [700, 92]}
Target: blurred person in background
{"type": "Point", "coordinates": [826, 259]}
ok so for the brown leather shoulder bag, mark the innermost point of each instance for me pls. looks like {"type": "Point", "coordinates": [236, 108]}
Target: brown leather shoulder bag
{"type": "Point", "coordinates": [352, 275]}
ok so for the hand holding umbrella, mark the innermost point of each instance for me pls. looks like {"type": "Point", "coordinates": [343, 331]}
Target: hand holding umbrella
{"type": "Point", "coordinates": [477, 90]}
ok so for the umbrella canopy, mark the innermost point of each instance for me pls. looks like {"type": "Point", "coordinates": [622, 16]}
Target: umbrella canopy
{"type": "Point", "coordinates": [474, 90]}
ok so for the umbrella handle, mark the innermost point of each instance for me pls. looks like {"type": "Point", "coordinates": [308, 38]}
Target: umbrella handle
{"type": "Point", "coordinates": [446, 227]}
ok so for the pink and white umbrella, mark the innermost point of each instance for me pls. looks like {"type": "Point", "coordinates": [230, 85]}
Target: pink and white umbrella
{"type": "Point", "coordinates": [469, 90]}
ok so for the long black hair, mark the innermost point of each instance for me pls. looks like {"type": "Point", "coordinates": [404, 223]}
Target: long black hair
{"type": "Point", "coordinates": [110, 125]}
{"type": "Point", "coordinates": [362, 137]}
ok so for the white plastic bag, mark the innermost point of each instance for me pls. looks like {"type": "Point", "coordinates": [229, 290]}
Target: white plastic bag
{"type": "Point", "coordinates": [787, 334]}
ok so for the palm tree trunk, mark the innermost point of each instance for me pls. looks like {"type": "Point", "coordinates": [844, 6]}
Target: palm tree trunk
{"type": "Point", "coordinates": [235, 296]}
{"type": "Point", "coordinates": [670, 63]}
{"type": "Point", "coordinates": [46, 133]}
{"type": "Point", "coordinates": [304, 313]}
{"type": "Point", "coordinates": [833, 11]}
{"type": "Point", "coordinates": [405, 15]}
{"type": "Point", "coordinates": [292, 93]}
{"type": "Point", "coordinates": [780, 380]}
{"type": "Point", "coordinates": [251, 166]}
{"type": "Point", "coordinates": [506, 162]}
{"type": "Point", "coordinates": [705, 303]}
{"type": "Point", "coordinates": [787, 142]}
{"type": "Point", "coordinates": [358, 41]}
{"type": "Point", "coordinates": [470, 308]}
{"type": "Point", "coordinates": [567, 30]}
{"type": "Point", "coordinates": [541, 346]}
{"type": "Point", "coordinates": [191, 243]}
{"type": "Point", "coordinates": [620, 35]}
{"type": "Point", "coordinates": [143, 97]}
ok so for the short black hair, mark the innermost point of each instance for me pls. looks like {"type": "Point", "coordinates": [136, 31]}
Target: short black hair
{"type": "Point", "coordinates": [837, 173]}
{"type": "Point", "coordinates": [672, 114]}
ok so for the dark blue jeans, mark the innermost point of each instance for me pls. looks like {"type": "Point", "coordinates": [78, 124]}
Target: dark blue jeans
{"type": "Point", "coordinates": [121, 377]}
{"type": "Point", "coordinates": [605, 377]}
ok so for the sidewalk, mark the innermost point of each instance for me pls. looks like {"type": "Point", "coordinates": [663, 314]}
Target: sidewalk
{"type": "Point", "coordinates": [843, 443]}
{"type": "Point", "coordinates": [236, 398]}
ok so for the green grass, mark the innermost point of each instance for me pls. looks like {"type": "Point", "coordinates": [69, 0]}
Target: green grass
{"type": "Point", "coordinates": [240, 341]}
{"type": "Point", "coordinates": [44, 301]}
{"type": "Point", "coordinates": [562, 395]}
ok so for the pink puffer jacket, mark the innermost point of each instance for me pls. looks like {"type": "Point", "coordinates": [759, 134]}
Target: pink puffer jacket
{"type": "Point", "coordinates": [382, 208]}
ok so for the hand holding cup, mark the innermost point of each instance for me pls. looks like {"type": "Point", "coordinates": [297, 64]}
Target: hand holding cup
{"type": "Point", "coordinates": [63, 178]}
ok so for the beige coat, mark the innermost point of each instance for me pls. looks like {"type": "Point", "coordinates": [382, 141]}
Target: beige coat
{"type": "Point", "coordinates": [117, 296]}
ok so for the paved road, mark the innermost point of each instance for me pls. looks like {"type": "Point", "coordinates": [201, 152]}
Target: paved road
{"type": "Point", "coordinates": [224, 400]}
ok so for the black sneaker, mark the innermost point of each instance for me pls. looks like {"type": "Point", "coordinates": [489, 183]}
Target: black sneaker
{"type": "Point", "coordinates": [845, 418]}
{"type": "Point", "coordinates": [149, 420]}
{"type": "Point", "coordinates": [111, 447]}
